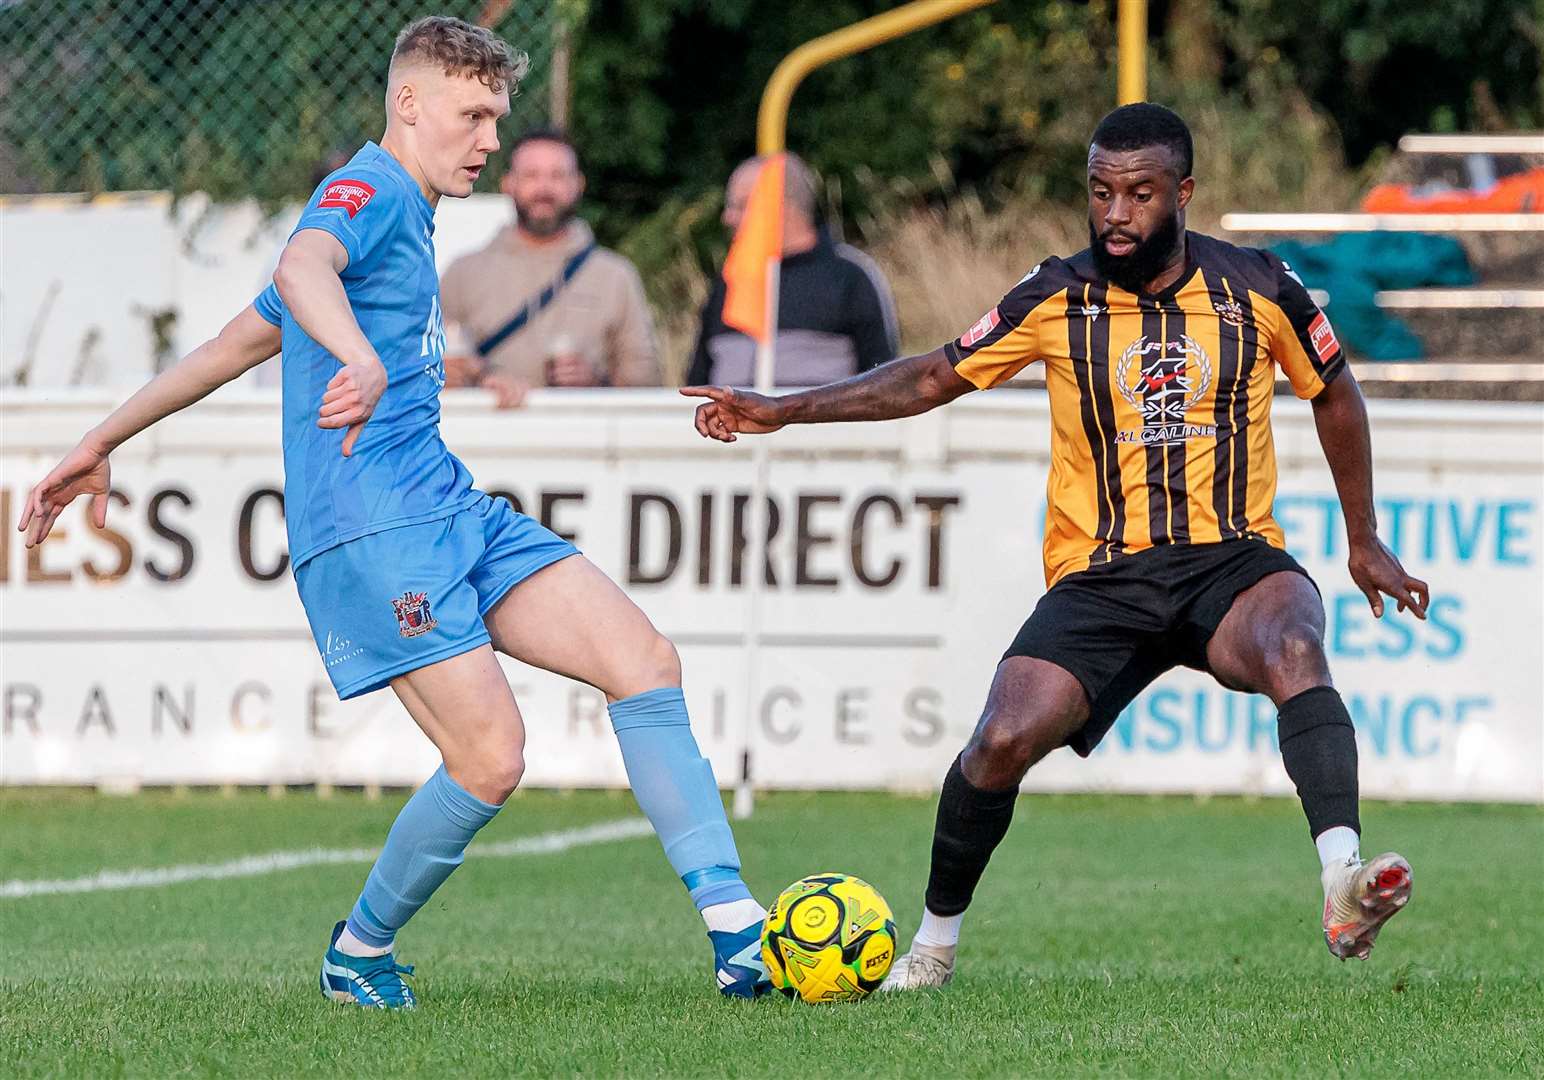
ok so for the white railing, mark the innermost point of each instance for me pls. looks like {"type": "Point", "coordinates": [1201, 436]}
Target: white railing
{"type": "Point", "coordinates": [1357, 222]}
{"type": "Point", "coordinates": [1526, 143]}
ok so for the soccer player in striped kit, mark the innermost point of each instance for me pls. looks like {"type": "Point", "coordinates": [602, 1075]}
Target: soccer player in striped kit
{"type": "Point", "coordinates": [1160, 348]}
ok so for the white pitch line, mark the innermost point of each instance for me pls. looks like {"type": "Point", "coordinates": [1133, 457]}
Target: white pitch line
{"type": "Point", "coordinates": [277, 861]}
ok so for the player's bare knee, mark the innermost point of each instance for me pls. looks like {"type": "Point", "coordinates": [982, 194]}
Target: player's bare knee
{"type": "Point", "coordinates": [497, 773]}
{"type": "Point", "coordinates": [1002, 749]}
{"type": "Point", "coordinates": [1295, 659]}
{"type": "Point", "coordinates": [657, 665]}
{"type": "Point", "coordinates": [667, 662]}
{"type": "Point", "coordinates": [1299, 645]}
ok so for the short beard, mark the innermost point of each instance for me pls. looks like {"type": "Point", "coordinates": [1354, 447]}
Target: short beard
{"type": "Point", "coordinates": [552, 227]}
{"type": "Point", "coordinates": [1147, 260]}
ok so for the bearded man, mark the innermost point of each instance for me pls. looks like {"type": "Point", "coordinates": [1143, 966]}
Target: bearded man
{"type": "Point", "coordinates": [543, 304]}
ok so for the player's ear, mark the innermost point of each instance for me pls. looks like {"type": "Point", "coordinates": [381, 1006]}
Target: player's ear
{"type": "Point", "coordinates": [1187, 188]}
{"type": "Point", "coordinates": [507, 181]}
{"type": "Point", "coordinates": [405, 102]}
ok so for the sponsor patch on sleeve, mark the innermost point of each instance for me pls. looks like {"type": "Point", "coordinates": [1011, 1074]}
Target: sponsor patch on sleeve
{"type": "Point", "coordinates": [983, 326]}
{"type": "Point", "coordinates": [1322, 335]}
{"type": "Point", "coordinates": [348, 195]}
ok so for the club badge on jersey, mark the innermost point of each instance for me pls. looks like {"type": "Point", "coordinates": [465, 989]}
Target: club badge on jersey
{"type": "Point", "coordinates": [1229, 311]}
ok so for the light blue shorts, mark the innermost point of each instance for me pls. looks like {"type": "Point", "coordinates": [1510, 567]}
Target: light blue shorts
{"type": "Point", "coordinates": [397, 600]}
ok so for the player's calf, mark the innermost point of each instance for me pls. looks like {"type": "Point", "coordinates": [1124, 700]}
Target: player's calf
{"type": "Point", "coordinates": [674, 786]}
{"type": "Point", "coordinates": [1033, 707]}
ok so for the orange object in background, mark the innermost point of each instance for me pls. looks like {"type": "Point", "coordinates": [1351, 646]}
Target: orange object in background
{"type": "Point", "coordinates": [1520, 193]}
{"type": "Point", "coordinates": [755, 253]}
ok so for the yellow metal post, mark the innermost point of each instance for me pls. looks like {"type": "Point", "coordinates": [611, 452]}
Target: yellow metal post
{"type": "Point", "coordinates": [772, 119]}
{"type": "Point", "coordinates": [1131, 43]}
{"type": "Point", "coordinates": [772, 138]}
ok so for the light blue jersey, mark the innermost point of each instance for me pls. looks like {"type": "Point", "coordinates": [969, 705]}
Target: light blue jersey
{"type": "Point", "coordinates": [397, 559]}
{"type": "Point", "coordinates": [400, 472]}
{"type": "Point", "coordinates": [400, 564]}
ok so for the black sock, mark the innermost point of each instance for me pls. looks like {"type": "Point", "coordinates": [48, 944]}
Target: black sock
{"type": "Point", "coordinates": [1318, 747]}
{"type": "Point", "coordinates": [971, 823]}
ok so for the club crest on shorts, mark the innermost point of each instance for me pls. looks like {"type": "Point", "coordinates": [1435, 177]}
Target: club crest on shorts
{"type": "Point", "coordinates": [413, 615]}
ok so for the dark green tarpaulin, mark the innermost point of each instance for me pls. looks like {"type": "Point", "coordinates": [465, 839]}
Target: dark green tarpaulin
{"type": "Point", "coordinates": [1354, 267]}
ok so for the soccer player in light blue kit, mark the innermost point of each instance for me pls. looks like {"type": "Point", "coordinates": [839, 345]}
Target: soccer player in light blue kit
{"type": "Point", "coordinates": [395, 551]}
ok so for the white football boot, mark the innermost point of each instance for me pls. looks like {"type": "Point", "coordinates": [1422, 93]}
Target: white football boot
{"type": "Point", "coordinates": [925, 967]}
{"type": "Point", "coordinates": [1359, 898]}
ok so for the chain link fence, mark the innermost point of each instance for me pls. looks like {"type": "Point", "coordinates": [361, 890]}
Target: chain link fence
{"type": "Point", "coordinates": [236, 98]}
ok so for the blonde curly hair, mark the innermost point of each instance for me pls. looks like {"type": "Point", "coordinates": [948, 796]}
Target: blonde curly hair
{"type": "Point", "coordinates": [460, 48]}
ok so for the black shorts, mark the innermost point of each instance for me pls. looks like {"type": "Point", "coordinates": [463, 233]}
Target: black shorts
{"type": "Point", "coordinates": [1118, 626]}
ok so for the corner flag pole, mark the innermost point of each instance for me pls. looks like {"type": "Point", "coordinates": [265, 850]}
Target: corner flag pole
{"type": "Point", "coordinates": [750, 305]}
{"type": "Point", "coordinates": [758, 523]}
{"type": "Point", "coordinates": [771, 141]}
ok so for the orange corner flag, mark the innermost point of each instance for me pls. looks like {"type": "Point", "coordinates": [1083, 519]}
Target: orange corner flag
{"type": "Point", "coordinates": [755, 254]}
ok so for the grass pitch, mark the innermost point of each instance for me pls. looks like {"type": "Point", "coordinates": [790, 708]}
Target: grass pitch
{"type": "Point", "coordinates": [1126, 936]}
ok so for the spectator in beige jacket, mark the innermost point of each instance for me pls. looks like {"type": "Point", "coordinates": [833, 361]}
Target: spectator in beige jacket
{"type": "Point", "coordinates": [542, 304]}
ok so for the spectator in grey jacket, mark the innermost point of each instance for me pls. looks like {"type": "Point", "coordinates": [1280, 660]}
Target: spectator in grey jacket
{"type": "Point", "coordinates": [836, 316]}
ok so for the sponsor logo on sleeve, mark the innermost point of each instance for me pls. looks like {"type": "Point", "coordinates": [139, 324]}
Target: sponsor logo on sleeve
{"type": "Point", "coordinates": [983, 326]}
{"type": "Point", "coordinates": [1322, 335]}
{"type": "Point", "coordinates": [348, 195]}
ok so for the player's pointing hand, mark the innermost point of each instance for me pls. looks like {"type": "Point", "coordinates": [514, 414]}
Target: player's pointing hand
{"type": "Point", "coordinates": [350, 399]}
{"type": "Point", "coordinates": [731, 412]}
{"type": "Point", "coordinates": [84, 471]}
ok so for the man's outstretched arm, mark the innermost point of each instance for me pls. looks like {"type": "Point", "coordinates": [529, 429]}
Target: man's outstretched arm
{"type": "Point", "coordinates": [1340, 415]}
{"type": "Point", "coordinates": [902, 387]}
{"type": "Point", "coordinates": [246, 341]}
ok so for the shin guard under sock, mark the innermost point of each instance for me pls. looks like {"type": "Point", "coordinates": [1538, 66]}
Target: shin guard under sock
{"type": "Point", "coordinates": [1318, 747]}
{"type": "Point", "coordinates": [971, 823]}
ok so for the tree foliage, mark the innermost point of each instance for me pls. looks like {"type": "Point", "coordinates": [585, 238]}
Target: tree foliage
{"type": "Point", "coordinates": [666, 91]}
{"type": "Point", "coordinates": [239, 97]}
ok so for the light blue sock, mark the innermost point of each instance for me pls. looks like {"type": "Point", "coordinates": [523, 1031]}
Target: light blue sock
{"type": "Point", "coordinates": [427, 841]}
{"type": "Point", "coordinates": [674, 785]}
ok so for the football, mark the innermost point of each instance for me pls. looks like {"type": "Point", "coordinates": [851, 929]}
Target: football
{"type": "Point", "coordinates": [829, 937]}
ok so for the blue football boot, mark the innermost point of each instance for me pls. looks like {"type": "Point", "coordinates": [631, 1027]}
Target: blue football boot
{"type": "Point", "coordinates": [374, 982]}
{"type": "Point", "coordinates": [740, 971]}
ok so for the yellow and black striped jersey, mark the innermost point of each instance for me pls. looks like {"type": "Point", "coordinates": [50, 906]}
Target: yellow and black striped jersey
{"type": "Point", "coordinates": [1160, 403]}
